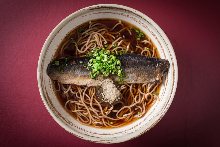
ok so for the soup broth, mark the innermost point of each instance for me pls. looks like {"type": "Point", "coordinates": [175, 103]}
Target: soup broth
{"type": "Point", "coordinates": [81, 102]}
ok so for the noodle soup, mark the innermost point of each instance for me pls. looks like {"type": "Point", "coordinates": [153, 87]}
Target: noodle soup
{"type": "Point", "coordinates": [75, 106]}
{"type": "Point", "coordinates": [82, 102]}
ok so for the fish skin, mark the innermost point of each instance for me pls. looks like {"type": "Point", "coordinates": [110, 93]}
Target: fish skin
{"type": "Point", "coordinates": [140, 69]}
{"type": "Point", "coordinates": [137, 69]}
{"type": "Point", "coordinates": [71, 71]}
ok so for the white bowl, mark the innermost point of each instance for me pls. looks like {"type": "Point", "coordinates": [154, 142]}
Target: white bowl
{"type": "Point", "coordinates": [115, 135]}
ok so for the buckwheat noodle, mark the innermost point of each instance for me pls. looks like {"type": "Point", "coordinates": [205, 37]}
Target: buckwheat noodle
{"type": "Point", "coordinates": [82, 101]}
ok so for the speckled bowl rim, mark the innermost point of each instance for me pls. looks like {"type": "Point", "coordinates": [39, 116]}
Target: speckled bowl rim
{"type": "Point", "coordinates": [63, 22]}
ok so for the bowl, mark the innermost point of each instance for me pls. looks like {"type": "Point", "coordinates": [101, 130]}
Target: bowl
{"type": "Point", "coordinates": [136, 128]}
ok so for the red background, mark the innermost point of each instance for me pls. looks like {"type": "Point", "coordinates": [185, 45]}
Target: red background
{"type": "Point", "coordinates": [192, 27]}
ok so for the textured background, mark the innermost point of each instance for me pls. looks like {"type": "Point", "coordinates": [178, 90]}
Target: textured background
{"type": "Point", "coordinates": [192, 27]}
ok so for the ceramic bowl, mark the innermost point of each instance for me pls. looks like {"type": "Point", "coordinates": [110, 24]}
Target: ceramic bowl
{"type": "Point", "coordinates": [114, 135]}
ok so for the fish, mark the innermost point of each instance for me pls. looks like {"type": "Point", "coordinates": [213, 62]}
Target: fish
{"type": "Point", "coordinates": [71, 70]}
{"type": "Point", "coordinates": [137, 69]}
{"type": "Point", "coordinates": [141, 69]}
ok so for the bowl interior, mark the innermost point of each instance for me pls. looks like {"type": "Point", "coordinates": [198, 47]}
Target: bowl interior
{"type": "Point", "coordinates": [134, 129]}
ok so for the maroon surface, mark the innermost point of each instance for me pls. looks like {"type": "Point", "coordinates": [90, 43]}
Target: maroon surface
{"type": "Point", "coordinates": [192, 27]}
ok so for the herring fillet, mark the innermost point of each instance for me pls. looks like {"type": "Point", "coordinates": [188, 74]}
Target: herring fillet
{"type": "Point", "coordinates": [137, 69]}
{"type": "Point", "coordinates": [141, 69]}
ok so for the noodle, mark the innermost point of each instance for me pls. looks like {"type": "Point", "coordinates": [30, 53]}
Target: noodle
{"type": "Point", "coordinates": [83, 102]}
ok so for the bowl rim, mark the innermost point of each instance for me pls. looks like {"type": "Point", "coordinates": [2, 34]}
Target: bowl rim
{"type": "Point", "coordinates": [56, 29]}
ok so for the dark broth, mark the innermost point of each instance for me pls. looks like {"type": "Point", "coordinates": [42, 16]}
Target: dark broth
{"type": "Point", "coordinates": [67, 48]}
{"type": "Point", "coordinates": [73, 35]}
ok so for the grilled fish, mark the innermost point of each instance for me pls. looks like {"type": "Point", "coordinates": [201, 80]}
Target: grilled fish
{"type": "Point", "coordinates": [137, 69]}
{"type": "Point", "coordinates": [140, 69]}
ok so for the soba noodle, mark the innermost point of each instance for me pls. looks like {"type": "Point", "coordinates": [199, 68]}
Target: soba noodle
{"type": "Point", "coordinates": [82, 101]}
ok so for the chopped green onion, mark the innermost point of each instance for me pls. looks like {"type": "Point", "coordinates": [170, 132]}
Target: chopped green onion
{"type": "Point", "coordinates": [139, 34]}
{"type": "Point", "coordinates": [114, 45]}
{"type": "Point", "coordinates": [57, 63]}
{"type": "Point", "coordinates": [81, 30]}
{"type": "Point", "coordinates": [103, 62]}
